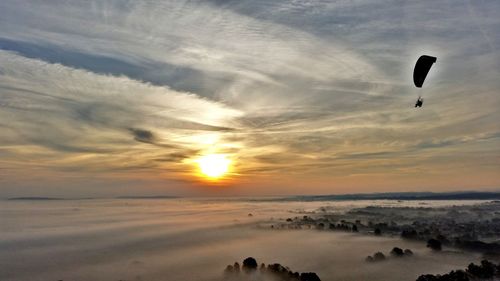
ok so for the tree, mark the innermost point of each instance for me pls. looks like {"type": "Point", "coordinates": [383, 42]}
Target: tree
{"type": "Point", "coordinates": [434, 244]}
{"type": "Point", "coordinates": [262, 267]}
{"type": "Point", "coordinates": [309, 276]}
{"type": "Point", "coordinates": [229, 270]}
{"type": "Point", "coordinates": [236, 267]}
{"type": "Point", "coordinates": [378, 256]}
{"type": "Point", "coordinates": [409, 234]}
{"type": "Point", "coordinates": [485, 270]}
{"type": "Point", "coordinates": [397, 252]}
{"type": "Point", "coordinates": [427, 277]}
{"type": "Point", "coordinates": [354, 228]}
{"type": "Point", "coordinates": [458, 275]}
{"type": "Point", "coordinates": [249, 265]}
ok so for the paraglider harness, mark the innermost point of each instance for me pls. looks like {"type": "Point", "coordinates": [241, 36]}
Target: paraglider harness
{"type": "Point", "coordinates": [419, 102]}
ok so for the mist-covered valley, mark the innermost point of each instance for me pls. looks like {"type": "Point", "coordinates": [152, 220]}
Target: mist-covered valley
{"type": "Point", "coordinates": [195, 239]}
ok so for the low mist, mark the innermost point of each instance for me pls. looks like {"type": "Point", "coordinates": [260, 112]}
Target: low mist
{"type": "Point", "coordinates": [181, 239]}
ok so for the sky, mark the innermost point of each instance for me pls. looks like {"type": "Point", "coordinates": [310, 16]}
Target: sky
{"type": "Point", "coordinates": [107, 98]}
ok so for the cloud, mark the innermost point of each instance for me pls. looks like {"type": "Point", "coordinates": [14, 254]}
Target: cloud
{"type": "Point", "coordinates": [319, 88]}
{"type": "Point", "coordinates": [142, 135]}
{"type": "Point", "coordinates": [82, 120]}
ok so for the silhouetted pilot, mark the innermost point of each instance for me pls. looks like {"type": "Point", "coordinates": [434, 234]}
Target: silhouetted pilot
{"type": "Point", "coordinates": [419, 102]}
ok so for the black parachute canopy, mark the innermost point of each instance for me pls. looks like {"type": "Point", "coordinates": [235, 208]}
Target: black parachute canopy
{"type": "Point", "coordinates": [422, 67]}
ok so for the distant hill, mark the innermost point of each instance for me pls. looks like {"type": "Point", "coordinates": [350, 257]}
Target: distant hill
{"type": "Point", "coordinates": [147, 197]}
{"type": "Point", "coordinates": [466, 195]}
{"type": "Point", "coordinates": [34, 198]}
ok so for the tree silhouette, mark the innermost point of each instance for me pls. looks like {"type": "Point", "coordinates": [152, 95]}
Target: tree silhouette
{"type": "Point", "coordinates": [434, 244]}
{"type": "Point", "coordinates": [309, 276]}
{"type": "Point", "coordinates": [355, 228]}
{"type": "Point", "coordinates": [485, 271]}
{"type": "Point", "coordinates": [236, 267]}
{"type": "Point", "coordinates": [378, 256]}
{"type": "Point", "coordinates": [397, 252]}
{"type": "Point", "coordinates": [276, 272]}
{"type": "Point", "coordinates": [249, 265]}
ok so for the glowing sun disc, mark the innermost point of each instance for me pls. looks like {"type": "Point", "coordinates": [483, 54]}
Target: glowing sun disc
{"type": "Point", "coordinates": [214, 165]}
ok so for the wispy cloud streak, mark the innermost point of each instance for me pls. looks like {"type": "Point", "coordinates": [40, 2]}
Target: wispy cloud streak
{"type": "Point", "coordinates": [317, 91]}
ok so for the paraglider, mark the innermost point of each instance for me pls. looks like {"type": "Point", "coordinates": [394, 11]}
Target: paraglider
{"type": "Point", "coordinates": [419, 102]}
{"type": "Point", "coordinates": [422, 67]}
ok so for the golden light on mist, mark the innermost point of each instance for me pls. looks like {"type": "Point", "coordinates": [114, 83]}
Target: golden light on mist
{"type": "Point", "coordinates": [214, 166]}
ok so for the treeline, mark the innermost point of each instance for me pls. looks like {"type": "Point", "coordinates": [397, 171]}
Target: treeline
{"type": "Point", "coordinates": [485, 271]}
{"type": "Point", "coordinates": [250, 270]}
{"type": "Point", "coordinates": [488, 249]}
{"type": "Point", "coordinates": [395, 252]}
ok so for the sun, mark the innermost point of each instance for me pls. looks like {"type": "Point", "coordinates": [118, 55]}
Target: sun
{"type": "Point", "coordinates": [214, 165]}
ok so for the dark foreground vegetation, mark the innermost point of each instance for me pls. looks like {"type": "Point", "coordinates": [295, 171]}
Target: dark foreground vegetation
{"type": "Point", "coordinates": [250, 270]}
{"type": "Point", "coordinates": [485, 271]}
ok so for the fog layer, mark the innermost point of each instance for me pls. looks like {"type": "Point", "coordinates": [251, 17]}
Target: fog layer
{"type": "Point", "coordinates": [181, 239]}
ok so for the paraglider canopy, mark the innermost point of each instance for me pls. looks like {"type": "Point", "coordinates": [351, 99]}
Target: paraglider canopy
{"type": "Point", "coordinates": [422, 67]}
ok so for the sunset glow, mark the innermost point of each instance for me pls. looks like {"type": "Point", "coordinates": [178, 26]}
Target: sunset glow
{"type": "Point", "coordinates": [214, 166]}
{"type": "Point", "coordinates": [249, 140]}
{"type": "Point", "coordinates": [264, 97]}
